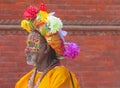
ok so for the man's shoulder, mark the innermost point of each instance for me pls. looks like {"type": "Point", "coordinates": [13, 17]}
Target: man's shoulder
{"type": "Point", "coordinates": [61, 71]}
{"type": "Point", "coordinates": [29, 72]}
{"type": "Point", "coordinates": [27, 75]}
{"type": "Point", "coordinates": [24, 79]}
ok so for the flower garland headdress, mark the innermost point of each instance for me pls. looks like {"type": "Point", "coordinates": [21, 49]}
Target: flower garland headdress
{"type": "Point", "coordinates": [50, 27]}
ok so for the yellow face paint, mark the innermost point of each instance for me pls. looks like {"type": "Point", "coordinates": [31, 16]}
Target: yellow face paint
{"type": "Point", "coordinates": [33, 43]}
{"type": "Point", "coordinates": [33, 46]}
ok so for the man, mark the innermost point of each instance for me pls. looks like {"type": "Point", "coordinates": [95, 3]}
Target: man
{"type": "Point", "coordinates": [45, 46]}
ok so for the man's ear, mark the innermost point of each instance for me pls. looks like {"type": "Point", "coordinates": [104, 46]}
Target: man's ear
{"type": "Point", "coordinates": [47, 49]}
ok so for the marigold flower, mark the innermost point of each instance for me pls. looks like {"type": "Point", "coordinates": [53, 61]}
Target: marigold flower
{"type": "Point", "coordinates": [25, 25]}
{"type": "Point", "coordinates": [43, 16]}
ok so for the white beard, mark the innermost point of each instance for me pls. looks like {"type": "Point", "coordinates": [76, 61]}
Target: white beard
{"type": "Point", "coordinates": [31, 60]}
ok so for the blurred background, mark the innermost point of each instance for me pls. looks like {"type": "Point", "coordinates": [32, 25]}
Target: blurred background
{"type": "Point", "coordinates": [93, 24]}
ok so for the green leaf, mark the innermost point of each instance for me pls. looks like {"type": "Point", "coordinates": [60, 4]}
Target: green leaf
{"type": "Point", "coordinates": [39, 16]}
{"type": "Point", "coordinates": [44, 30]}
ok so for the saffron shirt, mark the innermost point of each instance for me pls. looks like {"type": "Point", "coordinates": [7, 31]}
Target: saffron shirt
{"type": "Point", "coordinates": [57, 77]}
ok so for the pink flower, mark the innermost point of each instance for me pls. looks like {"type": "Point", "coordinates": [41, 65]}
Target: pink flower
{"type": "Point", "coordinates": [30, 12]}
{"type": "Point", "coordinates": [43, 7]}
{"type": "Point", "coordinates": [71, 51]}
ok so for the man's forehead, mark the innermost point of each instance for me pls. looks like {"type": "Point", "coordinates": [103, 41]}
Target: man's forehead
{"type": "Point", "coordinates": [33, 35]}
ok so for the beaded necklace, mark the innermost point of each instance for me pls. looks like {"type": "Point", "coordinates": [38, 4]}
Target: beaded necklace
{"type": "Point", "coordinates": [31, 83]}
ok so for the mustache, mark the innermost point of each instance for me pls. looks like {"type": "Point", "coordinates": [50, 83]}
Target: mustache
{"type": "Point", "coordinates": [30, 53]}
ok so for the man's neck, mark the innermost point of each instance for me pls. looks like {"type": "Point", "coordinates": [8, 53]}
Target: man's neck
{"type": "Point", "coordinates": [44, 64]}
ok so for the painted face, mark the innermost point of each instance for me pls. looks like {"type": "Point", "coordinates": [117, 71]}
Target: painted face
{"type": "Point", "coordinates": [32, 48]}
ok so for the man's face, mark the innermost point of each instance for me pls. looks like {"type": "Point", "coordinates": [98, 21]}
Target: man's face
{"type": "Point", "coordinates": [32, 48]}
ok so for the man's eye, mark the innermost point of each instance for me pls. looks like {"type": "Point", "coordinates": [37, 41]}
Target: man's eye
{"type": "Point", "coordinates": [30, 44]}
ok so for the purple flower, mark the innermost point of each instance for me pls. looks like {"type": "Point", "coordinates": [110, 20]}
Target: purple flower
{"type": "Point", "coordinates": [71, 51]}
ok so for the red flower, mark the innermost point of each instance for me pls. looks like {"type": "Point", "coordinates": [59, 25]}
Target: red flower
{"type": "Point", "coordinates": [43, 7]}
{"type": "Point", "coordinates": [30, 12]}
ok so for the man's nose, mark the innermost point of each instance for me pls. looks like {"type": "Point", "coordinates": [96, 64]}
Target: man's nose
{"type": "Point", "coordinates": [27, 49]}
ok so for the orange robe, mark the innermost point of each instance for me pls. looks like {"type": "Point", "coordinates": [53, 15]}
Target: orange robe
{"type": "Point", "coordinates": [57, 77]}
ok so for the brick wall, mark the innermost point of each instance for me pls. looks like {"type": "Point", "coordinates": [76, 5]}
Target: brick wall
{"type": "Point", "coordinates": [93, 24]}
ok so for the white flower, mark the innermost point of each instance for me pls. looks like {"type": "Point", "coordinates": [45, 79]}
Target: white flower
{"type": "Point", "coordinates": [54, 24]}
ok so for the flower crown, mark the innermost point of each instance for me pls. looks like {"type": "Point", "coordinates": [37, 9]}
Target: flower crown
{"type": "Point", "coordinates": [50, 27]}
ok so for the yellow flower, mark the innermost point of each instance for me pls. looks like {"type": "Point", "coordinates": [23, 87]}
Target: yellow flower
{"type": "Point", "coordinates": [25, 25]}
{"type": "Point", "coordinates": [43, 16]}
